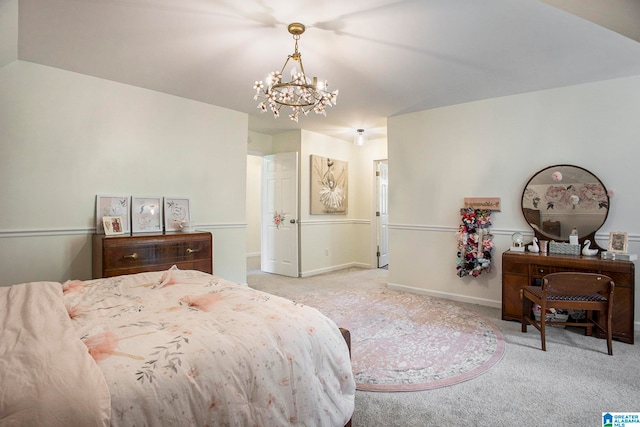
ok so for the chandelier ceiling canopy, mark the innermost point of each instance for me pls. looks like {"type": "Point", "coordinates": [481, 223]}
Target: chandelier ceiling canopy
{"type": "Point", "coordinates": [301, 93]}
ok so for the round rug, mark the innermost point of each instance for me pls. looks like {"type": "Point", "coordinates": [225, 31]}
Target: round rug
{"type": "Point", "coordinates": [407, 342]}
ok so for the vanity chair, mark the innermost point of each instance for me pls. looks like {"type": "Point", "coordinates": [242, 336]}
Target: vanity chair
{"type": "Point", "coordinates": [549, 196]}
{"type": "Point", "coordinates": [572, 291]}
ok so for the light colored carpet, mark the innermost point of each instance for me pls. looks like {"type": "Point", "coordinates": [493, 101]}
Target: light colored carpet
{"type": "Point", "coordinates": [571, 384]}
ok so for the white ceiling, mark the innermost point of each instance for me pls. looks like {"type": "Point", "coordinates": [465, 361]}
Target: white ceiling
{"type": "Point", "coordinates": [386, 57]}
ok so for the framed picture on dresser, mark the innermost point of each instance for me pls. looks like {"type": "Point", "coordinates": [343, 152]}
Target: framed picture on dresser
{"type": "Point", "coordinates": [146, 214]}
{"type": "Point", "coordinates": [176, 211]}
{"type": "Point", "coordinates": [112, 225]}
{"type": "Point", "coordinates": [618, 242]}
{"type": "Point", "coordinates": [112, 206]}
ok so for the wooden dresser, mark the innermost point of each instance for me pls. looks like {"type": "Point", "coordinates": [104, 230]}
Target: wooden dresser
{"type": "Point", "coordinates": [129, 254]}
{"type": "Point", "coordinates": [521, 269]}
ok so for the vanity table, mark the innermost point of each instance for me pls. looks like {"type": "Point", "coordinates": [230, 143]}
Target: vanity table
{"type": "Point", "coordinates": [521, 269]}
{"type": "Point", "coordinates": [568, 197]}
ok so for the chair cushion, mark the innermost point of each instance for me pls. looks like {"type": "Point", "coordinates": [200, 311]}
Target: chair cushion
{"type": "Point", "coordinates": [551, 296]}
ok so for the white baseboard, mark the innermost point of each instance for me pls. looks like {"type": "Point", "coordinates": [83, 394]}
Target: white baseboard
{"type": "Point", "coordinates": [334, 268]}
{"type": "Point", "coordinates": [446, 295]}
{"type": "Point", "coordinates": [253, 261]}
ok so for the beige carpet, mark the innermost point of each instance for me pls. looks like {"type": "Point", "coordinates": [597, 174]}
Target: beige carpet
{"type": "Point", "coordinates": [571, 384]}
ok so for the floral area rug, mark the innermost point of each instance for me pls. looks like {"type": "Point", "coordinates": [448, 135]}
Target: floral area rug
{"type": "Point", "coordinates": [407, 342]}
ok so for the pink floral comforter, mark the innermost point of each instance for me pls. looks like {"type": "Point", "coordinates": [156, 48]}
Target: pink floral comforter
{"type": "Point", "coordinates": [185, 348]}
{"type": "Point", "coordinates": [47, 378]}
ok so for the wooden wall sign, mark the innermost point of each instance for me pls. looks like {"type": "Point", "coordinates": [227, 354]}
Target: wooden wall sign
{"type": "Point", "coordinates": [488, 203]}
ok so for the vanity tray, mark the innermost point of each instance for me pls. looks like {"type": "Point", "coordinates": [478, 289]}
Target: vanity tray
{"type": "Point", "coordinates": [564, 248]}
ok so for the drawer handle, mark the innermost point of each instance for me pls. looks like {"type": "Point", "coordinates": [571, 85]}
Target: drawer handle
{"type": "Point", "coordinates": [192, 251]}
{"type": "Point", "coordinates": [132, 256]}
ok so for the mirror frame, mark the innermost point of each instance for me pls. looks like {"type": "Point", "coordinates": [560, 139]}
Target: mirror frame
{"type": "Point", "coordinates": [581, 238]}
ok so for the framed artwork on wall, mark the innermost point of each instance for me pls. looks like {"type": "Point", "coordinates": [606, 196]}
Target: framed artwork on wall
{"type": "Point", "coordinates": [112, 206]}
{"type": "Point", "coordinates": [146, 214]}
{"type": "Point", "coordinates": [329, 186]}
{"type": "Point", "coordinates": [618, 242]}
{"type": "Point", "coordinates": [112, 225]}
{"type": "Point", "coordinates": [176, 211]}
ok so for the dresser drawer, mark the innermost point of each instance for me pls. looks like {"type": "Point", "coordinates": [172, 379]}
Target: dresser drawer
{"type": "Point", "coordinates": [541, 270]}
{"type": "Point", "coordinates": [135, 254]}
{"type": "Point", "coordinates": [154, 253]}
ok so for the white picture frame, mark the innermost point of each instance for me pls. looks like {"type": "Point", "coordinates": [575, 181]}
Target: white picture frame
{"type": "Point", "coordinates": [176, 211]}
{"type": "Point", "coordinates": [112, 206]}
{"type": "Point", "coordinates": [146, 214]}
{"type": "Point", "coordinates": [112, 225]}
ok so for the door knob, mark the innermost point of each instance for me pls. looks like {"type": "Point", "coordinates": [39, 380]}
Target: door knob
{"type": "Point", "coordinates": [292, 221]}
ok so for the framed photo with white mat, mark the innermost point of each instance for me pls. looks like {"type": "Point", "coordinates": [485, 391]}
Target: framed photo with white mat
{"type": "Point", "coordinates": [146, 214]}
{"type": "Point", "coordinates": [176, 211]}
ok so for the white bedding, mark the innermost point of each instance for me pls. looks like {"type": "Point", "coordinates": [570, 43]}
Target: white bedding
{"type": "Point", "coordinates": [184, 348]}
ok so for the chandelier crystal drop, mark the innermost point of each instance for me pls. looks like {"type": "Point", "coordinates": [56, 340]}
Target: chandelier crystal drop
{"type": "Point", "coordinates": [301, 93]}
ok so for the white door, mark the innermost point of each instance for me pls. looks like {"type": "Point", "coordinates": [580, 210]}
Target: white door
{"type": "Point", "coordinates": [279, 251]}
{"type": "Point", "coordinates": [382, 213]}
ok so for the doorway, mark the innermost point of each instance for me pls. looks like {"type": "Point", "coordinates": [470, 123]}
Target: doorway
{"type": "Point", "coordinates": [256, 218]}
{"type": "Point", "coordinates": [279, 215]}
{"type": "Point", "coordinates": [382, 213]}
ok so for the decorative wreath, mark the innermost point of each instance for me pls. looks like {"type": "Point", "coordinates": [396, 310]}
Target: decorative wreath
{"type": "Point", "coordinates": [278, 217]}
{"type": "Point", "coordinates": [475, 242]}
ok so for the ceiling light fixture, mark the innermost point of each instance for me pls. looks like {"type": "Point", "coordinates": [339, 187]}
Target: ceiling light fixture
{"type": "Point", "coordinates": [301, 93]}
{"type": "Point", "coordinates": [360, 138]}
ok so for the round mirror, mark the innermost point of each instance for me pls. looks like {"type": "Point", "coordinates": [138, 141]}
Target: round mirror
{"type": "Point", "coordinates": [561, 198]}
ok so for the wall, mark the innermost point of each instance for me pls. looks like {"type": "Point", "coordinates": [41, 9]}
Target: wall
{"type": "Point", "coordinates": [65, 137]}
{"type": "Point", "coordinates": [8, 31]}
{"type": "Point", "coordinates": [254, 177]}
{"type": "Point", "coordinates": [259, 144]}
{"type": "Point", "coordinates": [491, 148]}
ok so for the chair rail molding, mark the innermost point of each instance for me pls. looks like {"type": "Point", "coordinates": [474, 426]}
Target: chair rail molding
{"type": "Point", "coordinates": [92, 230]}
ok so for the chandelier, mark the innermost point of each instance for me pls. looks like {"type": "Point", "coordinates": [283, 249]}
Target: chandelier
{"type": "Point", "coordinates": [302, 94]}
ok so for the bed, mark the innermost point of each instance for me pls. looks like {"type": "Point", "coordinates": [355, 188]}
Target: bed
{"type": "Point", "coordinates": [171, 348]}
